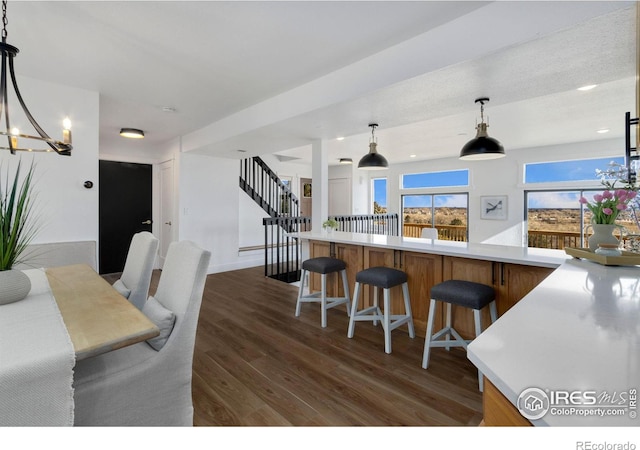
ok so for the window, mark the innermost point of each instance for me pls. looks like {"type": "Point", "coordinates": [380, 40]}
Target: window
{"type": "Point", "coordinates": [575, 170]}
{"type": "Point", "coordinates": [555, 218]}
{"type": "Point", "coordinates": [379, 195]}
{"type": "Point", "coordinates": [447, 212]}
{"type": "Point", "coordinates": [436, 179]}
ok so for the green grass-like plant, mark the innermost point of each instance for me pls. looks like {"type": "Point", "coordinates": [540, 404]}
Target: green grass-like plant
{"type": "Point", "coordinates": [17, 229]}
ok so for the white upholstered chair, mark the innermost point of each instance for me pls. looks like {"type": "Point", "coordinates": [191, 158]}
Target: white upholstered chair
{"type": "Point", "coordinates": [139, 385]}
{"type": "Point", "coordinates": [429, 233]}
{"type": "Point", "coordinates": [138, 267]}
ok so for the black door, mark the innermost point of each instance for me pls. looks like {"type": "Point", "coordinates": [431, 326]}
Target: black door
{"type": "Point", "coordinates": [125, 209]}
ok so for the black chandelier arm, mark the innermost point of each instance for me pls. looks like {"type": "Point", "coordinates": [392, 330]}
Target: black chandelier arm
{"type": "Point", "coordinates": [45, 137]}
{"type": "Point", "coordinates": [4, 101]}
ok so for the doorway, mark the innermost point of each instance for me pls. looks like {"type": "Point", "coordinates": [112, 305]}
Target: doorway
{"type": "Point", "coordinates": [125, 208]}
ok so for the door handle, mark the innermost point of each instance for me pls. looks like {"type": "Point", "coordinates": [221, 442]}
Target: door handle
{"type": "Point", "coordinates": [168, 223]}
{"type": "Point", "coordinates": [147, 222]}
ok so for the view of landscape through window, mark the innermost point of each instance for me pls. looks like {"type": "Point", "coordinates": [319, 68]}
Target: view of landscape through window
{"type": "Point", "coordinates": [555, 218]}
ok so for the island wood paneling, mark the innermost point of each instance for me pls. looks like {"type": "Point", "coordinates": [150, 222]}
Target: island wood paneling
{"type": "Point", "coordinates": [498, 410]}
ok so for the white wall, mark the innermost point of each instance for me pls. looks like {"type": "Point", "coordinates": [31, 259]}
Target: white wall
{"type": "Point", "coordinates": [494, 177]}
{"type": "Point", "coordinates": [67, 211]}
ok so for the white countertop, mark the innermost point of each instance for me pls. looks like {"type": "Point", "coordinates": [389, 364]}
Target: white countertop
{"type": "Point", "coordinates": [500, 253]}
{"type": "Point", "coordinates": [579, 330]}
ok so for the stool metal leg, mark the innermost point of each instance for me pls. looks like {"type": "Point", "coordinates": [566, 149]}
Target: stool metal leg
{"type": "Point", "coordinates": [376, 303]}
{"type": "Point", "coordinates": [448, 325]}
{"type": "Point", "coordinates": [323, 300]}
{"type": "Point", "coordinates": [386, 324]}
{"type": "Point", "coordinates": [493, 311]}
{"type": "Point", "coordinates": [427, 338]}
{"type": "Point", "coordinates": [300, 292]}
{"type": "Point", "coordinates": [407, 309]}
{"type": "Point", "coordinates": [345, 286]}
{"type": "Point", "coordinates": [478, 322]}
{"type": "Point", "coordinates": [354, 309]}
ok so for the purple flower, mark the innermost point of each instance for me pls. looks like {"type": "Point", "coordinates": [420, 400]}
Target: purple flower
{"type": "Point", "coordinates": [631, 195]}
{"type": "Point", "coordinates": [621, 206]}
{"type": "Point", "coordinates": [621, 194]}
{"type": "Point", "coordinates": [606, 194]}
{"type": "Point", "coordinates": [607, 211]}
{"type": "Point", "coordinates": [598, 198]}
{"type": "Point", "coordinates": [583, 200]}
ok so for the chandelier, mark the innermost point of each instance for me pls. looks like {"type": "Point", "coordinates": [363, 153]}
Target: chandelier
{"type": "Point", "coordinates": [14, 136]}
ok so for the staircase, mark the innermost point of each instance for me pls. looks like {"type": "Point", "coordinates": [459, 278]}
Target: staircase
{"type": "Point", "coordinates": [282, 254]}
{"type": "Point", "coordinates": [266, 189]}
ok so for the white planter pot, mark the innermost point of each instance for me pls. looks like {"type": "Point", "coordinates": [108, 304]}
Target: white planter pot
{"type": "Point", "coordinates": [14, 286]}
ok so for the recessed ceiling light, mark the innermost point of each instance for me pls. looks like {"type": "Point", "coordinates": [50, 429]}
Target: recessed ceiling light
{"type": "Point", "coordinates": [587, 88]}
{"type": "Point", "coordinates": [412, 156]}
{"type": "Point", "coordinates": [341, 138]}
{"type": "Point", "coordinates": [346, 161]}
{"type": "Point", "coordinates": [602, 131]}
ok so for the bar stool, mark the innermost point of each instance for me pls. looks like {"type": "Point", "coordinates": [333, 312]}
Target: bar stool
{"type": "Point", "coordinates": [323, 265]}
{"type": "Point", "coordinates": [384, 278]}
{"type": "Point", "coordinates": [463, 293]}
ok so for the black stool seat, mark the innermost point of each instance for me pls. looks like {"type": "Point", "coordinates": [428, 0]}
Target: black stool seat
{"type": "Point", "coordinates": [384, 277]}
{"type": "Point", "coordinates": [324, 264]}
{"type": "Point", "coordinates": [464, 293]}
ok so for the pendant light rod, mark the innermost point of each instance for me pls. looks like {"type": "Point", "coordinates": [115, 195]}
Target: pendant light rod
{"type": "Point", "coordinates": [63, 147]}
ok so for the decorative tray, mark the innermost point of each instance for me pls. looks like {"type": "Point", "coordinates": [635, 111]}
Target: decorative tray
{"type": "Point", "coordinates": [626, 259]}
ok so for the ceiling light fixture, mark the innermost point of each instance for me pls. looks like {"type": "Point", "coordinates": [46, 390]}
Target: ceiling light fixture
{"type": "Point", "coordinates": [602, 131]}
{"type": "Point", "coordinates": [588, 87]}
{"type": "Point", "coordinates": [482, 146]}
{"type": "Point", "coordinates": [373, 160]}
{"type": "Point", "coordinates": [132, 133]}
{"type": "Point", "coordinates": [63, 147]}
{"type": "Point", "coordinates": [346, 161]}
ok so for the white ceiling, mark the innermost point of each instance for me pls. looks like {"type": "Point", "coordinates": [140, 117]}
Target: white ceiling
{"type": "Point", "coordinates": [271, 77]}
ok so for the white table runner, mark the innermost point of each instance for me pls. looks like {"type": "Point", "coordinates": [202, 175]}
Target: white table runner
{"type": "Point", "coordinates": [36, 360]}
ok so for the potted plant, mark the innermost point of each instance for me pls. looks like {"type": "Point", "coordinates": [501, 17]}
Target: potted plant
{"type": "Point", "coordinates": [17, 229]}
{"type": "Point", "coordinates": [330, 225]}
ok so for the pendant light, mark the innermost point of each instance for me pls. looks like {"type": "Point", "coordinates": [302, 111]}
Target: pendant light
{"type": "Point", "coordinates": [482, 146]}
{"type": "Point", "coordinates": [14, 136]}
{"type": "Point", "coordinates": [373, 160]}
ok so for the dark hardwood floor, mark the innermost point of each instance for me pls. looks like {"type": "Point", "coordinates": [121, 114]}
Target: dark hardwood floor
{"type": "Point", "coordinates": [256, 364]}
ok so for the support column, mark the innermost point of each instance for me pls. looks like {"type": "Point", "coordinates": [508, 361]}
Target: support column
{"type": "Point", "coordinates": [319, 184]}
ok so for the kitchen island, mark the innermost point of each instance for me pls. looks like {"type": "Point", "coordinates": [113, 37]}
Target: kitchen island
{"type": "Point", "coordinates": [568, 328]}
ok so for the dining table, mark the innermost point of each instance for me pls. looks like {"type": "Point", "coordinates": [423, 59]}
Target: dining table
{"type": "Point", "coordinates": [71, 313]}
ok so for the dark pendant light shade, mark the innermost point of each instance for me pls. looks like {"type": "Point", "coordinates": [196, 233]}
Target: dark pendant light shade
{"type": "Point", "coordinates": [482, 146]}
{"type": "Point", "coordinates": [373, 160]}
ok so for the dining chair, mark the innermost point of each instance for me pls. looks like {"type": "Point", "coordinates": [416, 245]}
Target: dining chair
{"type": "Point", "coordinates": [138, 267]}
{"type": "Point", "coordinates": [149, 383]}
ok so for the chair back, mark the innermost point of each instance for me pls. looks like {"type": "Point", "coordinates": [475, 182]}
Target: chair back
{"type": "Point", "coordinates": [429, 233]}
{"type": "Point", "coordinates": [180, 290]}
{"type": "Point", "coordinates": [138, 267]}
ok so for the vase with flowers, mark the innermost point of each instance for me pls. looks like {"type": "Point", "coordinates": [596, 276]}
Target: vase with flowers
{"type": "Point", "coordinates": [608, 205]}
{"type": "Point", "coordinates": [17, 229]}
